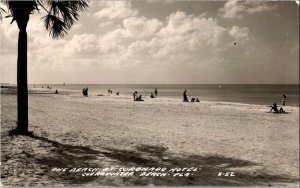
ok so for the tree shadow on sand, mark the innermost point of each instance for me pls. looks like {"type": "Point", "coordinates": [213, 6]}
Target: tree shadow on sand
{"type": "Point", "coordinates": [46, 155]}
{"type": "Point", "coordinates": [69, 156]}
{"type": "Point", "coordinates": [211, 165]}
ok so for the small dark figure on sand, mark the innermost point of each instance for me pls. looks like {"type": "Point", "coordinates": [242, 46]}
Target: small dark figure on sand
{"type": "Point", "coordinates": [197, 100]}
{"type": "Point", "coordinates": [151, 95]}
{"type": "Point", "coordinates": [283, 100]}
{"type": "Point", "coordinates": [155, 92]}
{"type": "Point", "coordinates": [135, 95]}
{"type": "Point", "coordinates": [139, 98]}
{"type": "Point", "coordinates": [275, 109]}
{"type": "Point", "coordinates": [185, 99]}
{"type": "Point", "coordinates": [118, 93]}
{"type": "Point", "coordinates": [85, 91]}
{"type": "Point", "coordinates": [108, 91]}
{"type": "Point", "coordinates": [193, 100]}
{"type": "Point", "coordinates": [56, 92]}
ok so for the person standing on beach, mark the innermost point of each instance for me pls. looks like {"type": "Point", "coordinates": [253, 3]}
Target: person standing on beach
{"type": "Point", "coordinates": [134, 95]}
{"type": "Point", "coordinates": [155, 92]}
{"type": "Point", "coordinates": [283, 100]}
{"type": "Point", "coordinates": [185, 99]}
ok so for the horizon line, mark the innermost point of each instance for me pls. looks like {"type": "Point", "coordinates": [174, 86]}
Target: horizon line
{"type": "Point", "coordinates": [6, 83]}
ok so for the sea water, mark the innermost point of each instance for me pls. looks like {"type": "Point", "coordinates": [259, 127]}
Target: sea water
{"type": "Point", "coordinates": [264, 94]}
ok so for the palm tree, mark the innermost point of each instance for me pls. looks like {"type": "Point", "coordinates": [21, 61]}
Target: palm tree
{"type": "Point", "coordinates": [60, 16]}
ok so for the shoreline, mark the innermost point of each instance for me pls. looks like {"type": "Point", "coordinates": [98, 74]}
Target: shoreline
{"type": "Point", "coordinates": [77, 93]}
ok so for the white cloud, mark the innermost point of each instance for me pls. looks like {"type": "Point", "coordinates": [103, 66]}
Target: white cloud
{"type": "Point", "coordinates": [105, 24]}
{"type": "Point", "coordinates": [141, 27]}
{"type": "Point", "coordinates": [240, 34]}
{"type": "Point", "coordinates": [237, 9]}
{"type": "Point", "coordinates": [77, 26]}
{"type": "Point", "coordinates": [115, 9]}
{"type": "Point", "coordinates": [180, 39]}
{"type": "Point", "coordinates": [81, 44]}
{"type": "Point", "coordinates": [138, 49]}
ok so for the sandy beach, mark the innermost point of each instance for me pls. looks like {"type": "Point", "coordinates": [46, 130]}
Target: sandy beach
{"type": "Point", "coordinates": [71, 131]}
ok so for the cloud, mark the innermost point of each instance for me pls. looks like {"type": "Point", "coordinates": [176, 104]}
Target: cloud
{"type": "Point", "coordinates": [81, 44]}
{"type": "Point", "coordinates": [237, 9]}
{"type": "Point", "coordinates": [115, 9]}
{"type": "Point", "coordinates": [141, 26]}
{"type": "Point", "coordinates": [105, 24]}
{"type": "Point", "coordinates": [131, 48]}
{"type": "Point", "coordinates": [181, 39]}
{"type": "Point", "coordinates": [159, 1]}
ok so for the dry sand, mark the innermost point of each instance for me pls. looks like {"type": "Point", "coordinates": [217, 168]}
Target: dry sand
{"type": "Point", "coordinates": [101, 131]}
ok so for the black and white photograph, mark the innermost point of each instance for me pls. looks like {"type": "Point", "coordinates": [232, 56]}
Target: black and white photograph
{"type": "Point", "coordinates": [149, 93]}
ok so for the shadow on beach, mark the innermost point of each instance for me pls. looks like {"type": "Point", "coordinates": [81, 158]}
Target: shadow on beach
{"type": "Point", "coordinates": [62, 155]}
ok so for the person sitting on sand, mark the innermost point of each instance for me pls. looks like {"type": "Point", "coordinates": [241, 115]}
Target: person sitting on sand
{"type": "Point", "coordinates": [139, 98]}
{"type": "Point", "coordinates": [56, 92]}
{"type": "Point", "coordinates": [274, 107]}
{"type": "Point", "coordinates": [151, 95]}
{"type": "Point", "coordinates": [193, 100]}
{"type": "Point", "coordinates": [185, 99]}
{"type": "Point", "coordinates": [118, 93]}
{"type": "Point", "coordinates": [197, 100]}
{"type": "Point", "coordinates": [85, 92]}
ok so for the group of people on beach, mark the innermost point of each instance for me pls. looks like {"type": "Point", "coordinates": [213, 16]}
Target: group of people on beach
{"type": "Point", "coordinates": [137, 97]}
{"type": "Point", "coordinates": [185, 99]}
{"type": "Point", "coordinates": [109, 91]}
{"type": "Point", "coordinates": [155, 93]}
{"type": "Point", "coordinates": [275, 107]}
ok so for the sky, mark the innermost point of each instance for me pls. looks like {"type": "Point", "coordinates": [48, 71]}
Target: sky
{"type": "Point", "coordinates": [163, 42]}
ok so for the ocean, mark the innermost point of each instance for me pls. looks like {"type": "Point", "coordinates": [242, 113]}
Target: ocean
{"type": "Point", "coordinates": [239, 93]}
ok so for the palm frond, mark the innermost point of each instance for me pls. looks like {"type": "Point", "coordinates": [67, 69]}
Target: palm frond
{"type": "Point", "coordinates": [65, 11]}
{"type": "Point", "coordinates": [56, 26]}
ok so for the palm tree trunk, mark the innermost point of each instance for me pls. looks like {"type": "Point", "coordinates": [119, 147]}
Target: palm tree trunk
{"type": "Point", "coordinates": [22, 125]}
